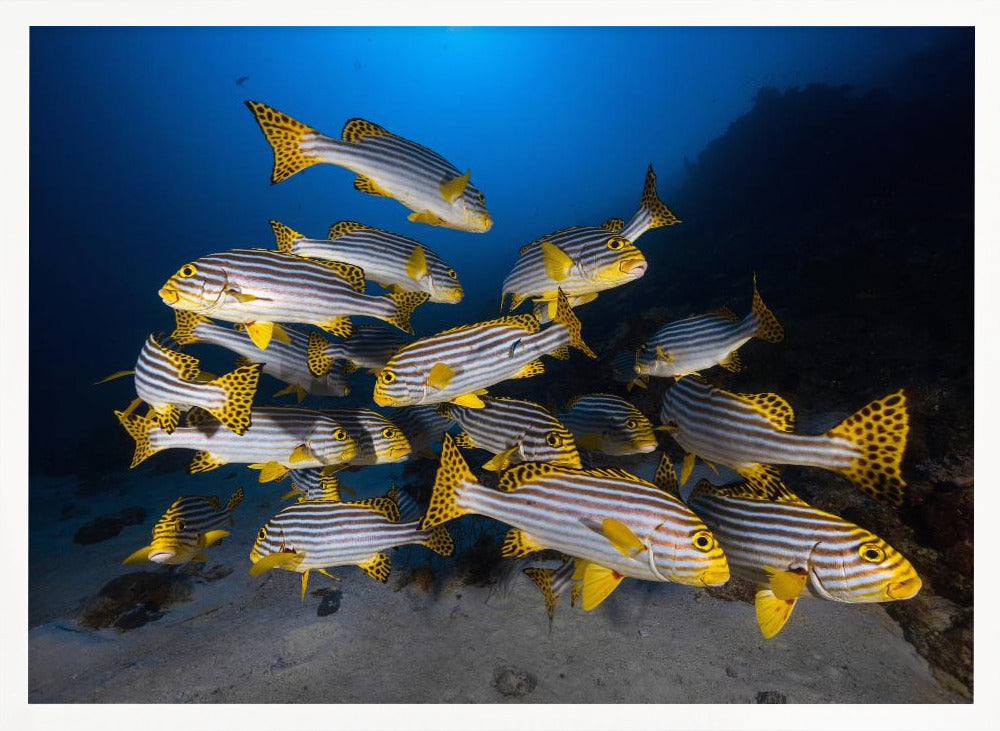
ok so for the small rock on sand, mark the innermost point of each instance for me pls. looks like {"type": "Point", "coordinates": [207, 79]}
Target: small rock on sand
{"type": "Point", "coordinates": [513, 682]}
{"type": "Point", "coordinates": [771, 696]}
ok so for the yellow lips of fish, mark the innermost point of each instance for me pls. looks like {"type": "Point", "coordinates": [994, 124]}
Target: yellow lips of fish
{"type": "Point", "coordinates": [715, 576]}
{"type": "Point", "coordinates": [169, 295]}
{"type": "Point", "coordinates": [382, 399]}
{"type": "Point", "coordinates": [633, 266]}
{"type": "Point", "coordinates": [905, 589]}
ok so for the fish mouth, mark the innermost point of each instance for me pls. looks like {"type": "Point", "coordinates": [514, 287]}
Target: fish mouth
{"type": "Point", "coordinates": [715, 577]}
{"type": "Point", "coordinates": [169, 295]}
{"type": "Point", "coordinates": [485, 224]}
{"type": "Point", "coordinates": [905, 589]}
{"type": "Point", "coordinates": [633, 267]}
{"type": "Point", "coordinates": [398, 453]}
{"type": "Point", "coordinates": [644, 446]}
{"type": "Point", "coordinates": [161, 556]}
{"type": "Point", "coordinates": [381, 399]}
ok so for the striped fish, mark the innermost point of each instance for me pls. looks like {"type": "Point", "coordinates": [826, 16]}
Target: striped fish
{"type": "Point", "coordinates": [282, 438]}
{"type": "Point", "coordinates": [747, 430]}
{"type": "Point", "coordinates": [422, 426]}
{"type": "Point", "coordinates": [394, 261]}
{"type": "Point", "coordinates": [386, 165]}
{"type": "Point", "coordinates": [315, 484]}
{"type": "Point", "coordinates": [379, 440]}
{"type": "Point", "coordinates": [191, 524]}
{"type": "Point", "coordinates": [315, 535]}
{"type": "Point", "coordinates": [612, 522]}
{"type": "Point", "coordinates": [284, 361]}
{"type": "Point", "coordinates": [457, 365]}
{"type": "Point", "coordinates": [553, 583]}
{"type": "Point", "coordinates": [623, 371]}
{"type": "Point", "coordinates": [605, 423]}
{"type": "Point", "coordinates": [701, 341]}
{"type": "Point", "coordinates": [262, 288]}
{"type": "Point", "coordinates": [369, 346]}
{"type": "Point", "coordinates": [170, 382]}
{"type": "Point", "coordinates": [788, 548]}
{"type": "Point", "coordinates": [585, 260]}
{"type": "Point", "coordinates": [515, 431]}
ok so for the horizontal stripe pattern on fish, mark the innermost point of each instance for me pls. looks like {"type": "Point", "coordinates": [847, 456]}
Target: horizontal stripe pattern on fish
{"type": "Point", "coordinates": [422, 425]}
{"type": "Point", "coordinates": [369, 346]}
{"type": "Point", "coordinates": [607, 423]}
{"type": "Point", "coordinates": [180, 533]}
{"type": "Point", "coordinates": [378, 438]}
{"type": "Point", "coordinates": [693, 344]}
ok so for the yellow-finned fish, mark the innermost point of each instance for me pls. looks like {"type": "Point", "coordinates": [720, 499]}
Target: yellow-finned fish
{"type": "Point", "coordinates": [612, 522]}
{"type": "Point", "coordinates": [191, 524]}
{"type": "Point", "coordinates": [698, 342]}
{"type": "Point", "coordinates": [386, 165]}
{"type": "Point", "coordinates": [316, 484]}
{"type": "Point", "coordinates": [261, 289]}
{"type": "Point", "coordinates": [393, 261]}
{"type": "Point", "coordinates": [602, 422]}
{"type": "Point", "coordinates": [457, 365]}
{"type": "Point", "coordinates": [423, 426]}
{"type": "Point", "coordinates": [369, 346]}
{"type": "Point", "coordinates": [746, 431]}
{"type": "Point", "coordinates": [788, 548]}
{"type": "Point", "coordinates": [282, 438]}
{"type": "Point", "coordinates": [585, 260]}
{"type": "Point", "coordinates": [379, 440]}
{"type": "Point", "coordinates": [314, 535]}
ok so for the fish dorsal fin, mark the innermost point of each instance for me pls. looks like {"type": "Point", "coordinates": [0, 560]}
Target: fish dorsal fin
{"type": "Point", "coordinates": [353, 275]}
{"type": "Point", "coordinates": [608, 472]}
{"type": "Point", "coordinates": [529, 323]}
{"type": "Point", "coordinates": [778, 411]}
{"type": "Point", "coordinates": [284, 236]}
{"type": "Point", "coordinates": [666, 477]}
{"type": "Point", "coordinates": [725, 313]}
{"type": "Point", "coordinates": [342, 228]}
{"type": "Point", "coordinates": [357, 129]}
{"type": "Point", "coordinates": [416, 264]}
{"type": "Point", "coordinates": [524, 473]}
{"type": "Point", "coordinates": [385, 506]}
{"type": "Point", "coordinates": [187, 366]}
{"type": "Point", "coordinates": [762, 483]}
{"type": "Point", "coordinates": [214, 502]}
{"type": "Point", "coordinates": [613, 224]}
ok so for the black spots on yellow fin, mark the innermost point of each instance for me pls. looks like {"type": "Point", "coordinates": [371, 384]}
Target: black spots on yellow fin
{"type": "Point", "coordinates": [284, 236]}
{"type": "Point", "coordinates": [367, 185]}
{"type": "Point", "coordinates": [614, 225]}
{"type": "Point", "coordinates": [451, 474]}
{"type": "Point", "coordinates": [168, 417]}
{"type": "Point", "coordinates": [339, 326]}
{"type": "Point", "coordinates": [543, 580]}
{"type": "Point", "coordinates": [316, 358]}
{"type": "Point", "coordinates": [726, 314]}
{"type": "Point", "coordinates": [517, 544]}
{"type": "Point", "coordinates": [534, 368]}
{"type": "Point", "coordinates": [238, 388]}
{"type": "Point", "coordinates": [528, 323]}
{"type": "Point", "coordinates": [186, 322]}
{"type": "Point", "coordinates": [384, 506]}
{"type": "Point", "coordinates": [440, 541]}
{"type": "Point", "coordinates": [235, 499]}
{"type": "Point", "coordinates": [524, 473]}
{"type": "Point", "coordinates": [406, 303]}
{"type": "Point", "coordinates": [665, 477]}
{"type": "Point", "coordinates": [732, 362]}
{"type": "Point", "coordinates": [772, 612]}
{"type": "Point", "coordinates": [377, 566]}
{"type": "Point", "coordinates": [769, 328]}
{"type": "Point", "coordinates": [565, 316]}
{"type": "Point", "coordinates": [464, 441]}
{"type": "Point", "coordinates": [342, 228]}
{"type": "Point", "coordinates": [186, 366]}
{"type": "Point", "coordinates": [197, 417]}
{"type": "Point", "coordinates": [139, 428]}
{"type": "Point", "coordinates": [353, 275]}
{"type": "Point", "coordinates": [357, 129]}
{"type": "Point", "coordinates": [561, 353]}
{"type": "Point", "coordinates": [657, 211]}
{"type": "Point", "coordinates": [203, 462]}
{"type": "Point", "coordinates": [761, 482]}
{"type": "Point", "coordinates": [285, 135]}
{"type": "Point", "coordinates": [879, 431]}
{"type": "Point", "coordinates": [778, 411]}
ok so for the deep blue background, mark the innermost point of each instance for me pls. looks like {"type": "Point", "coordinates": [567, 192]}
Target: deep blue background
{"type": "Point", "coordinates": [143, 156]}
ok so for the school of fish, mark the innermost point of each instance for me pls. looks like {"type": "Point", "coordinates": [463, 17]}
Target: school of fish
{"type": "Point", "coordinates": [554, 486]}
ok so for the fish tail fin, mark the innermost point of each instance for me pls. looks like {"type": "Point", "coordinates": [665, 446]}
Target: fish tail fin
{"type": "Point", "coordinates": [235, 499]}
{"type": "Point", "coordinates": [879, 431]}
{"type": "Point", "coordinates": [406, 303]}
{"type": "Point", "coordinates": [139, 428]}
{"type": "Point", "coordinates": [769, 328]}
{"type": "Point", "coordinates": [316, 358]}
{"type": "Point", "coordinates": [452, 473]}
{"type": "Point", "coordinates": [440, 541]}
{"type": "Point", "coordinates": [568, 319]}
{"type": "Point", "coordinates": [284, 236]}
{"type": "Point", "coordinates": [239, 387]}
{"type": "Point", "coordinates": [184, 333]}
{"type": "Point", "coordinates": [652, 213]}
{"type": "Point", "coordinates": [285, 135]}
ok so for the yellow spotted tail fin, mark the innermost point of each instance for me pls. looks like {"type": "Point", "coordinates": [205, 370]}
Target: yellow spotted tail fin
{"type": "Point", "coordinates": [184, 333]}
{"type": "Point", "coordinates": [139, 428]}
{"type": "Point", "coordinates": [239, 387]}
{"type": "Point", "coordinates": [568, 319]}
{"type": "Point", "coordinates": [652, 213]}
{"type": "Point", "coordinates": [316, 358]}
{"type": "Point", "coordinates": [284, 236]}
{"type": "Point", "coordinates": [234, 500]}
{"type": "Point", "coordinates": [285, 135]}
{"type": "Point", "coordinates": [451, 474]}
{"type": "Point", "coordinates": [440, 541]}
{"type": "Point", "coordinates": [879, 430]}
{"type": "Point", "coordinates": [769, 328]}
{"type": "Point", "coordinates": [406, 303]}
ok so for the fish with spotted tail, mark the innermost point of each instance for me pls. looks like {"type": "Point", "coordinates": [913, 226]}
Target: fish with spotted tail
{"type": "Point", "coordinates": [386, 165]}
{"type": "Point", "coordinates": [191, 524]}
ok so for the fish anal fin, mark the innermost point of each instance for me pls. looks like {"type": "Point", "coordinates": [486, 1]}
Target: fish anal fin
{"type": "Point", "coordinates": [772, 612]}
{"type": "Point", "coordinates": [469, 400]}
{"type": "Point", "coordinates": [377, 566]}
{"type": "Point", "coordinates": [339, 326]}
{"type": "Point", "coordinates": [203, 462]}
{"type": "Point", "coordinates": [517, 544]}
{"type": "Point", "coordinates": [260, 333]}
{"type": "Point", "coordinates": [533, 368]}
{"type": "Point", "coordinates": [732, 362]}
{"type": "Point", "coordinates": [598, 582]}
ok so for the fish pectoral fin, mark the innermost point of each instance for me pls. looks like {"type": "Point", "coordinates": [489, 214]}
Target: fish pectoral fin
{"type": "Point", "coordinates": [686, 467]}
{"type": "Point", "coordinates": [501, 460]}
{"type": "Point", "coordinates": [214, 536]}
{"type": "Point", "coordinates": [517, 544]}
{"type": "Point", "coordinates": [772, 613]}
{"type": "Point", "coordinates": [440, 376]}
{"type": "Point", "coordinates": [279, 560]}
{"type": "Point", "coordinates": [469, 399]}
{"type": "Point", "coordinates": [598, 582]}
{"type": "Point", "coordinates": [300, 454]}
{"type": "Point", "coordinates": [260, 333]}
{"type": "Point", "coordinates": [138, 556]}
{"type": "Point", "coordinates": [290, 388]}
{"type": "Point", "coordinates": [293, 492]}
{"type": "Point", "coordinates": [279, 334]}
{"type": "Point", "coordinates": [416, 264]}
{"type": "Point", "coordinates": [426, 216]}
{"type": "Point", "coordinates": [270, 471]}
{"type": "Point", "coordinates": [200, 557]}
{"type": "Point", "coordinates": [622, 537]}
{"type": "Point", "coordinates": [377, 566]}
{"type": "Point", "coordinates": [557, 262]}
{"type": "Point", "coordinates": [451, 190]}
{"type": "Point", "coordinates": [116, 374]}
{"type": "Point", "coordinates": [240, 296]}
{"type": "Point", "coordinates": [786, 585]}
{"type": "Point", "coordinates": [663, 355]}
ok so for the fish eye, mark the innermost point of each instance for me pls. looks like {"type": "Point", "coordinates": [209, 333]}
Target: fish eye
{"type": "Point", "coordinates": [703, 540]}
{"type": "Point", "coordinates": [452, 273]}
{"type": "Point", "coordinates": [615, 243]}
{"type": "Point", "coordinates": [262, 534]}
{"type": "Point", "coordinates": [554, 439]}
{"type": "Point", "coordinates": [871, 553]}
{"type": "Point", "coordinates": [180, 525]}
{"type": "Point", "coordinates": [389, 432]}
{"type": "Point", "coordinates": [631, 423]}
{"type": "Point", "coordinates": [188, 270]}
{"type": "Point", "coordinates": [386, 376]}
{"type": "Point", "coordinates": [340, 435]}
